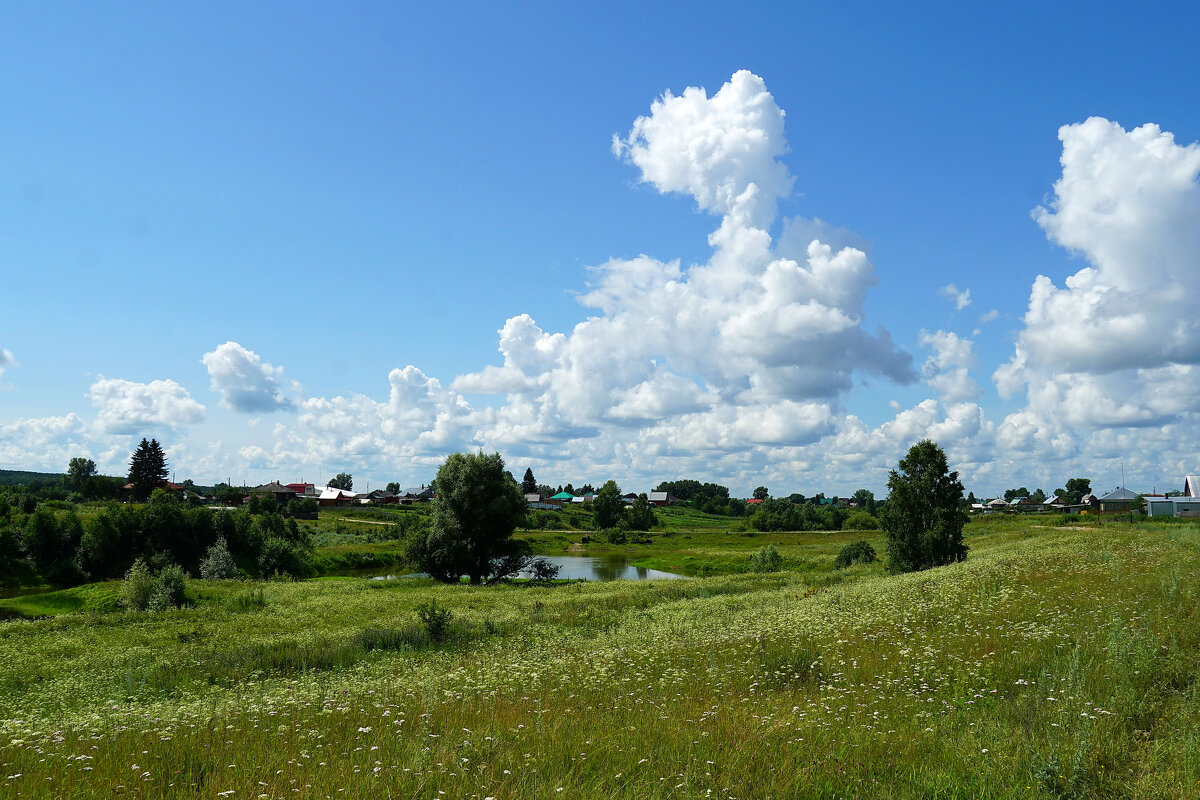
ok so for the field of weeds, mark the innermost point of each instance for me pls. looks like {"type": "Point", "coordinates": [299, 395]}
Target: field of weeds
{"type": "Point", "coordinates": [1055, 662]}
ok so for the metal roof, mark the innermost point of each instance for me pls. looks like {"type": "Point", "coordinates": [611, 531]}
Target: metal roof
{"type": "Point", "coordinates": [1120, 494]}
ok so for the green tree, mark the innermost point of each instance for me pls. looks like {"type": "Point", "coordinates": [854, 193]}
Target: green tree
{"type": "Point", "coordinates": [1010, 494]}
{"type": "Point", "coordinates": [865, 499]}
{"type": "Point", "coordinates": [1075, 490]}
{"type": "Point", "coordinates": [923, 518]}
{"type": "Point", "coordinates": [761, 493]}
{"type": "Point", "coordinates": [147, 468]}
{"type": "Point", "coordinates": [476, 510]}
{"type": "Point", "coordinates": [607, 507]}
{"type": "Point", "coordinates": [392, 488]}
{"type": "Point", "coordinates": [529, 484]}
{"type": "Point", "coordinates": [1038, 497]}
{"type": "Point", "coordinates": [343, 480]}
{"type": "Point", "coordinates": [79, 471]}
{"type": "Point", "coordinates": [640, 515]}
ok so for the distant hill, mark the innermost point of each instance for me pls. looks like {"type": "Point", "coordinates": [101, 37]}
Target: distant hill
{"type": "Point", "coordinates": [16, 477]}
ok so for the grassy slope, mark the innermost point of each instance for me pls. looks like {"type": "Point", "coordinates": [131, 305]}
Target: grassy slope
{"type": "Point", "coordinates": [1053, 663]}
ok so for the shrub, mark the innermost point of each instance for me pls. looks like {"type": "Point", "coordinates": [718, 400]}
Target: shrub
{"type": "Point", "coordinates": [860, 521]}
{"type": "Point", "coordinates": [859, 552]}
{"type": "Point", "coordinates": [612, 535]}
{"type": "Point", "coordinates": [138, 586]}
{"type": "Point", "coordinates": [767, 559]}
{"type": "Point", "coordinates": [435, 619]}
{"type": "Point", "coordinates": [170, 588]}
{"type": "Point", "coordinates": [218, 564]}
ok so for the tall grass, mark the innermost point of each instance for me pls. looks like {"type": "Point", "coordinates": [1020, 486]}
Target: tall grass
{"type": "Point", "coordinates": [1051, 664]}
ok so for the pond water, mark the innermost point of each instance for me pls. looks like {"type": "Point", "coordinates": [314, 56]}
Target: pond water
{"type": "Point", "coordinates": [607, 567]}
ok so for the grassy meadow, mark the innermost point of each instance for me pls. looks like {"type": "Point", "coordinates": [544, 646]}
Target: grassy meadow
{"type": "Point", "coordinates": [1056, 662]}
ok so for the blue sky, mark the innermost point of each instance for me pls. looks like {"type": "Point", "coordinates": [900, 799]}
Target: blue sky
{"type": "Point", "coordinates": [343, 194]}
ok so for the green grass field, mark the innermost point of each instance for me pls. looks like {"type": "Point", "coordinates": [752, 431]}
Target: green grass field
{"type": "Point", "coordinates": [1055, 662]}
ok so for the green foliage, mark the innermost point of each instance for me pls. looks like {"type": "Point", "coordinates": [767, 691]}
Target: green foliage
{"type": "Point", "coordinates": [923, 518]}
{"type": "Point", "coordinates": [392, 488]}
{"type": "Point", "coordinates": [435, 619]}
{"type": "Point", "coordinates": [693, 490]}
{"type": "Point", "coordinates": [79, 471]}
{"type": "Point", "coordinates": [859, 552]}
{"type": "Point", "coordinates": [138, 587]}
{"type": "Point", "coordinates": [170, 589]}
{"type": "Point", "coordinates": [762, 493]}
{"type": "Point", "coordinates": [607, 506]}
{"type": "Point", "coordinates": [147, 468]}
{"type": "Point", "coordinates": [477, 508]}
{"type": "Point", "coordinates": [407, 638]}
{"type": "Point", "coordinates": [860, 521]}
{"type": "Point", "coordinates": [218, 563]}
{"type": "Point", "coordinates": [529, 484]}
{"type": "Point", "coordinates": [1010, 494]}
{"type": "Point", "coordinates": [766, 559]}
{"type": "Point", "coordinates": [865, 500]}
{"type": "Point", "coordinates": [343, 480]}
{"type": "Point", "coordinates": [612, 535]}
{"type": "Point", "coordinates": [640, 515]}
{"type": "Point", "coordinates": [1075, 490]}
{"type": "Point", "coordinates": [303, 508]}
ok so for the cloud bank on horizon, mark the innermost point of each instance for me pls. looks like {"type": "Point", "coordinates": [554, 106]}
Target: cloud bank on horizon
{"type": "Point", "coordinates": [740, 369]}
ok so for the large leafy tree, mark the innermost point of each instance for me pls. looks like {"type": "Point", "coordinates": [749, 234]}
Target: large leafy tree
{"type": "Point", "coordinates": [641, 514]}
{"type": "Point", "coordinates": [147, 468]}
{"type": "Point", "coordinates": [607, 506]}
{"type": "Point", "coordinates": [477, 508]}
{"type": "Point", "coordinates": [762, 493]}
{"type": "Point", "coordinates": [79, 471]}
{"type": "Point", "coordinates": [923, 517]}
{"type": "Point", "coordinates": [343, 480]}
{"type": "Point", "coordinates": [1075, 490]}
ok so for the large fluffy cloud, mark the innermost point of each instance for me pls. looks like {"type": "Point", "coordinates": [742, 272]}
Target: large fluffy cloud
{"type": "Point", "coordinates": [756, 347]}
{"type": "Point", "coordinates": [1118, 345]}
{"type": "Point", "coordinates": [126, 407]}
{"type": "Point", "coordinates": [244, 381]}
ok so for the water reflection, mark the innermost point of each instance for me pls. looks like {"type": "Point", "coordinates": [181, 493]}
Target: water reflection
{"type": "Point", "coordinates": [607, 567]}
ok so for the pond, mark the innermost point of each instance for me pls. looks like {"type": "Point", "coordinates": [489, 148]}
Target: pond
{"type": "Point", "coordinates": [607, 567]}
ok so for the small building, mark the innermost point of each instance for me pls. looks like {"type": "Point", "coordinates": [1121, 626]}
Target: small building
{"type": "Point", "coordinates": [1185, 505]}
{"type": "Point", "coordinates": [282, 494]}
{"type": "Point", "coordinates": [332, 496]}
{"type": "Point", "coordinates": [661, 499]}
{"type": "Point", "coordinates": [1118, 501]}
{"type": "Point", "coordinates": [417, 494]}
{"type": "Point", "coordinates": [303, 489]}
{"type": "Point", "coordinates": [533, 498]}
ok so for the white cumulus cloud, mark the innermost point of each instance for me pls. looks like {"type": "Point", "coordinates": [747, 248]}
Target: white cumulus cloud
{"type": "Point", "coordinates": [127, 407]}
{"type": "Point", "coordinates": [1118, 344]}
{"type": "Point", "coordinates": [960, 297]}
{"type": "Point", "coordinates": [245, 382]}
{"type": "Point", "coordinates": [6, 360]}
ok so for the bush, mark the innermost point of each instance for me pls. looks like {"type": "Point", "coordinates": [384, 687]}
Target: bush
{"type": "Point", "coordinates": [767, 559]}
{"type": "Point", "coordinates": [170, 588]}
{"type": "Point", "coordinates": [612, 535]}
{"type": "Point", "coordinates": [435, 619]}
{"type": "Point", "coordinates": [859, 552]}
{"type": "Point", "coordinates": [138, 586]}
{"type": "Point", "coordinates": [218, 564]}
{"type": "Point", "coordinates": [860, 521]}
